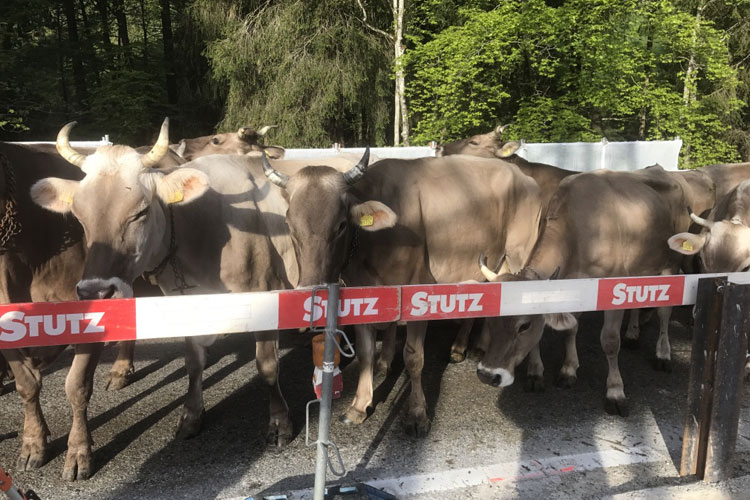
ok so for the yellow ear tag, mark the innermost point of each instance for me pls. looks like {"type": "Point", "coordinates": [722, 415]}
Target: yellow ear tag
{"type": "Point", "coordinates": [175, 197]}
{"type": "Point", "coordinates": [67, 199]}
{"type": "Point", "coordinates": [366, 220]}
{"type": "Point", "coordinates": [686, 245]}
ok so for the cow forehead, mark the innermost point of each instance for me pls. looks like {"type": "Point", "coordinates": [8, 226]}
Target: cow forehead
{"type": "Point", "coordinates": [320, 181]}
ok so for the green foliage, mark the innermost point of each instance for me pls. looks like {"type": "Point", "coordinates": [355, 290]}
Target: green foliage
{"type": "Point", "coordinates": [579, 71]}
{"type": "Point", "coordinates": [309, 67]}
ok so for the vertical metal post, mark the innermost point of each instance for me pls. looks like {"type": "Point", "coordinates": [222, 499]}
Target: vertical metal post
{"type": "Point", "coordinates": [728, 383]}
{"type": "Point", "coordinates": [324, 418]}
{"type": "Point", "coordinates": [708, 309]}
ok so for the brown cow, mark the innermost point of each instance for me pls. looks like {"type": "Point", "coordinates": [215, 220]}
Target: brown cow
{"type": "Point", "coordinates": [246, 141]}
{"type": "Point", "coordinates": [598, 224]}
{"type": "Point", "coordinates": [405, 222]}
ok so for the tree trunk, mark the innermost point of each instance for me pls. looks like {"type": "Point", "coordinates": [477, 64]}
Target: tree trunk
{"type": "Point", "coordinates": [688, 95]}
{"type": "Point", "coordinates": [168, 38]}
{"type": "Point", "coordinates": [400, 115]}
{"type": "Point", "coordinates": [122, 23]}
{"type": "Point", "coordinates": [101, 5]}
{"type": "Point", "coordinates": [79, 77]}
{"type": "Point", "coordinates": [144, 24]}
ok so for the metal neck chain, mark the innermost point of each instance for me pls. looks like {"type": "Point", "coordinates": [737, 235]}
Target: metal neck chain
{"type": "Point", "coordinates": [171, 258]}
{"type": "Point", "coordinates": [9, 224]}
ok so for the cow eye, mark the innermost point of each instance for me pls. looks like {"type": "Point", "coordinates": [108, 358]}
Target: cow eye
{"type": "Point", "coordinates": [524, 326]}
{"type": "Point", "coordinates": [215, 141]}
{"type": "Point", "coordinates": [474, 143]}
{"type": "Point", "coordinates": [341, 228]}
{"type": "Point", "coordinates": [745, 269]}
{"type": "Point", "coordinates": [141, 214]}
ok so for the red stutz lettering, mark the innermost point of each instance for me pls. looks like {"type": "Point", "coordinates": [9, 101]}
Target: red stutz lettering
{"type": "Point", "coordinates": [623, 293]}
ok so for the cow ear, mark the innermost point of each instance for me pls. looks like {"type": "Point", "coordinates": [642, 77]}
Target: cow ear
{"type": "Point", "coordinates": [561, 321]}
{"type": "Point", "coordinates": [182, 185]}
{"type": "Point", "coordinates": [275, 152]}
{"type": "Point", "coordinates": [53, 194]}
{"type": "Point", "coordinates": [508, 149]}
{"type": "Point", "coordinates": [373, 216]}
{"type": "Point", "coordinates": [687, 243]}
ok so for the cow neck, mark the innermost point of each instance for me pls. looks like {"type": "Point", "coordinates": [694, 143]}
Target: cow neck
{"type": "Point", "coordinates": [10, 226]}
{"type": "Point", "coordinates": [171, 259]}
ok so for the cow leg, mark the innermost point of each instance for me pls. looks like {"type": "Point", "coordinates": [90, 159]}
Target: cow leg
{"type": "Point", "coordinates": [534, 371]}
{"type": "Point", "coordinates": [357, 412]}
{"type": "Point", "coordinates": [663, 350]}
{"type": "Point", "coordinates": [79, 462]}
{"type": "Point", "coordinates": [387, 350]}
{"type": "Point", "coordinates": [458, 349]}
{"type": "Point", "coordinates": [568, 371]}
{"type": "Point", "coordinates": [34, 445]}
{"type": "Point", "coordinates": [633, 331]}
{"type": "Point", "coordinates": [615, 402]}
{"type": "Point", "coordinates": [122, 369]}
{"type": "Point", "coordinates": [481, 347]}
{"type": "Point", "coordinates": [195, 360]}
{"type": "Point", "coordinates": [417, 423]}
{"type": "Point", "coordinates": [267, 361]}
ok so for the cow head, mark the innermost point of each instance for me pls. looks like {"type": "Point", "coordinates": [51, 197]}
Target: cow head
{"type": "Point", "coordinates": [246, 141]}
{"type": "Point", "coordinates": [513, 337]}
{"type": "Point", "coordinates": [723, 245]}
{"type": "Point", "coordinates": [121, 204]}
{"type": "Point", "coordinates": [323, 216]}
{"type": "Point", "coordinates": [489, 145]}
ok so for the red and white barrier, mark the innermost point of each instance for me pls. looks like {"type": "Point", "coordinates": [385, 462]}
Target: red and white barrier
{"type": "Point", "coordinates": [47, 323]}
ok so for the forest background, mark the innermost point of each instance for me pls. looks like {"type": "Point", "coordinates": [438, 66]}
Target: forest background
{"type": "Point", "coordinates": [382, 72]}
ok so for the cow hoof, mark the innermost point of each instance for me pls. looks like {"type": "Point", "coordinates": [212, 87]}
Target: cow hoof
{"type": "Point", "coordinates": [417, 427]}
{"type": "Point", "coordinates": [31, 457]}
{"type": "Point", "coordinates": [476, 354]}
{"type": "Point", "coordinates": [117, 381]}
{"type": "Point", "coordinates": [534, 383]}
{"type": "Point", "coordinates": [279, 433]}
{"type": "Point", "coordinates": [353, 417]}
{"type": "Point", "coordinates": [189, 426]}
{"type": "Point", "coordinates": [617, 407]}
{"type": "Point", "coordinates": [632, 344]}
{"type": "Point", "coordinates": [566, 381]}
{"type": "Point", "coordinates": [457, 357]}
{"type": "Point", "coordinates": [78, 466]}
{"type": "Point", "coordinates": [663, 365]}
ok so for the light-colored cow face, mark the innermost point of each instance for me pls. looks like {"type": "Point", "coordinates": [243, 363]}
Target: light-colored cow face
{"type": "Point", "coordinates": [246, 141]}
{"type": "Point", "coordinates": [121, 204]}
{"type": "Point", "coordinates": [323, 216]}
{"type": "Point", "coordinates": [489, 145]}
{"type": "Point", "coordinates": [724, 245]}
{"type": "Point", "coordinates": [513, 337]}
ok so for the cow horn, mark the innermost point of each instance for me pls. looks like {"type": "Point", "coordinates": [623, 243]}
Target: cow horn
{"type": "Point", "coordinates": [501, 128]}
{"type": "Point", "coordinates": [358, 170]}
{"type": "Point", "coordinates": [263, 131]}
{"type": "Point", "coordinates": [278, 178]}
{"type": "Point", "coordinates": [65, 149]}
{"type": "Point", "coordinates": [488, 273]}
{"type": "Point", "coordinates": [701, 221]}
{"type": "Point", "coordinates": [160, 149]}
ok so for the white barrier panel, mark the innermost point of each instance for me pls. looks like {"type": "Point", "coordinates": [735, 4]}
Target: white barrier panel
{"type": "Point", "coordinates": [74, 144]}
{"type": "Point", "coordinates": [59, 323]}
{"type": "Point", "coordinates": [586, 156]}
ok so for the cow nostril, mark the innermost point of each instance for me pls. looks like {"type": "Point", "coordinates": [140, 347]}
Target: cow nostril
{"type": "Point", "coordinates": [108, 292]}
{"type": "Point", "coordinates": [496, 380]}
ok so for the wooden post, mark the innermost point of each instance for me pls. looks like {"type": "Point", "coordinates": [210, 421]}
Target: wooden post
{"type": "Point", "coordinates": [708, 309]}
{"type": "Point", "coordinates": [728, 383]}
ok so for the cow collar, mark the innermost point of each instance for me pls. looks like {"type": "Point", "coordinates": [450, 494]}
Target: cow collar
{"type": "Point", "coordinates": [10, 226]}
{"type": "Point", "coordinates": [171, 258]}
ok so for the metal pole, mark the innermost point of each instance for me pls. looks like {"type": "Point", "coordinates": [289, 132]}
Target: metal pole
{"type": "Point", "coordinates": [324, 419]}
{"type": "Point", "coordinates": [728, 383]}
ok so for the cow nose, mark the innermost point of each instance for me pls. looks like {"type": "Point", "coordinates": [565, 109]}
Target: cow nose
{"type": "Point", "coordinates": [496, 380]}
{"type": "Point", "coordinates": [95, 291]}
{"type": "Point", "coordinates": [485, 377]}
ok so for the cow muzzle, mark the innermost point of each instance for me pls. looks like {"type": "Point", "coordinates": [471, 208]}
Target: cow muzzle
{"type": "Point", "coordinates": [98, 289]}
{"type": "Point", "coordinates": [496, 377]}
